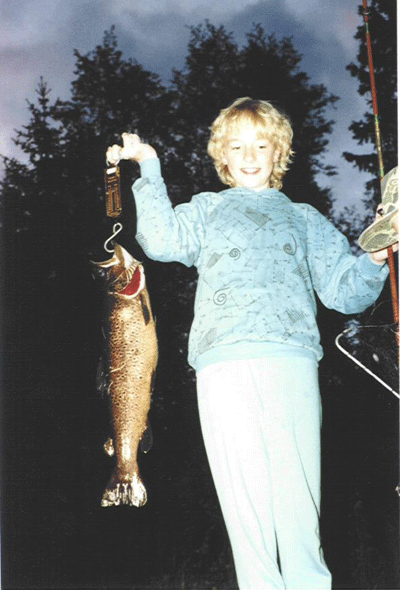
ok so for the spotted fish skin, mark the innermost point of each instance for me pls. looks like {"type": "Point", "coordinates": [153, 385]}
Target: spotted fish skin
{"type": "Point", "coordinates": [130, 359]}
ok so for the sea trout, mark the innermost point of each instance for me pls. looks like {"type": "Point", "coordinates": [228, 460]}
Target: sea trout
{"type": "Point", "coordinates": [126, 372]}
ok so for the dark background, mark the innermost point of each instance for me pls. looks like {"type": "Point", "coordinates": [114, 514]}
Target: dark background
{"type": "Point", "coordinates": [54, 532]}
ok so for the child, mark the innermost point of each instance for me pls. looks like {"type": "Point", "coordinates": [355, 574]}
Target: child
{"type": "Point", "coordinates": [254, 341]}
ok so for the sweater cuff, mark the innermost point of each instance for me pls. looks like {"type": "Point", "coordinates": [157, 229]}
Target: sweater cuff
{"type": "Point", "coordinates": [150, 167]}
{"type": "Point", "coordinates": [370, 268]}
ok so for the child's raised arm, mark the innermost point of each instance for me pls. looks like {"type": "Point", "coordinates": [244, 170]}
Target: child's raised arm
{"type": "Point", "coordinates": [133, 149]}
{"type": "Point", "coordinates": [165, 233]}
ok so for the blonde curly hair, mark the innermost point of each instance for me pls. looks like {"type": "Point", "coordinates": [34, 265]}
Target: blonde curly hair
{"type": "Point", "coordinates": [270, 124]}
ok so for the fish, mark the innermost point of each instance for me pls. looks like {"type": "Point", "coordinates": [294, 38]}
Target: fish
{"type": "Point", "coordinates": [126, 372]}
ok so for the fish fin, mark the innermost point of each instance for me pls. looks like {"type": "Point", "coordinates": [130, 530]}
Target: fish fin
{"type": "Point", "coordinates": [146, 442]}
{"type": "Point", "coordinates": [127, 489]}
{"type": "Point", "coordinates": [102, 378]}
{"type": "Point", "coordinates": [145, 310]}
{"type": "Point", "coordinates": [109, 447]}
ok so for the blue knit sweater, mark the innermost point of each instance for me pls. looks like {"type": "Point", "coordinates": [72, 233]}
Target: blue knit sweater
{"type": "Point", "coordinates": [260, 260]}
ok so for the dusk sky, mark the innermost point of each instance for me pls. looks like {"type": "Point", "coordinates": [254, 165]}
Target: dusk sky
{"type": "Point", "coordinates": [39, 36]}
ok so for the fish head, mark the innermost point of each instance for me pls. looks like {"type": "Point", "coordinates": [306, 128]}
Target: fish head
{"type": "Point", "coordinates": [122, 274]}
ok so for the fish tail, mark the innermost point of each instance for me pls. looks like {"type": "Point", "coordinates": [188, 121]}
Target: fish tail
{"type": "Point", "coordinates": [126, 490]}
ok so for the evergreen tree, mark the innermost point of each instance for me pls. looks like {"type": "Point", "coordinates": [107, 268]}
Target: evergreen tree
{"type": "Point", "coordinates": [25, 185]}
{"type": "Point", "coordinates": [33, 194]}
{"type": "Point", "coordinates": [217, 72]}
{"type": "Point", "coordinates": [66, 141]}
{"type": "Point", "coordinates": [201, 89]}
{"type": "Point", "coordinates": [271, 69]}
{"type": "Point", "coordinates": [110, 95]}
{"type": "Point", "coordinates": [382, 28]}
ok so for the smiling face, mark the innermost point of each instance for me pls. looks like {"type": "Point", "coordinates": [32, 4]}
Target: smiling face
{"type": "Point", "coordinates": [249, 157]}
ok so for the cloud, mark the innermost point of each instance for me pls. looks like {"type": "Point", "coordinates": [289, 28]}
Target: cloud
{"type": "Point", "coordinates": [39, 36]}
{"type": "Point", "coordinates": [328, 20]}
{"type": "Point", "coordinates": [29, 22]}
{"type": "Point", "coordinates": [186, 8]}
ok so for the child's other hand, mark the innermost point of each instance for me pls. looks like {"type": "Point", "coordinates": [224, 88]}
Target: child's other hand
{"type": "Point", "coordinates": [381, 255]}
{"type": "Point", "coordinates": [133, 149]}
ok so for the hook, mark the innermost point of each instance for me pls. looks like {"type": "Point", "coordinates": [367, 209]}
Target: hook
{"type": "Point", "coordinates": [117, 227]}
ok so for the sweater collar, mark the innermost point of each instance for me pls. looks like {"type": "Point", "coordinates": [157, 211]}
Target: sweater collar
{"type": "Point", "coordinates": [267, 193]}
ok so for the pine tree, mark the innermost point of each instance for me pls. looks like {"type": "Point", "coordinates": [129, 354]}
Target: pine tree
{"type": "Point", "coordinates": [217, 72]}
{"type": "Point", "coordinates": [110, 95]}
{"type": "Point", "coordinates": [206, 84]}
{"type": "Point", "coordinates": [25, 186]}
{"type": "Point", "coordinates": [271, 69]}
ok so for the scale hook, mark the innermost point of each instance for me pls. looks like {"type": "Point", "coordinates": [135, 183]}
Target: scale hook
{"type": "Point", "coordinates": [117, 227]}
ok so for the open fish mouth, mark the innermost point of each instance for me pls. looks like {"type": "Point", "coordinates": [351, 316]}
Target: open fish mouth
{"type": "Point", "coordinates": [122, 273]}
{"type": "Point", "coordinates": [135, 281]}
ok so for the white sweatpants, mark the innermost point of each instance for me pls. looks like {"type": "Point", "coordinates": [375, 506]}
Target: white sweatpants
{"type": "Point", "coordinates": [261, 421]}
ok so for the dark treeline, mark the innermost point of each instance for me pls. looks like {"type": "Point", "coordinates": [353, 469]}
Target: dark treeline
{"type": "Point", "coordinates": [55, 535]}
{"type": "Point", "coordinates": [382, 19]}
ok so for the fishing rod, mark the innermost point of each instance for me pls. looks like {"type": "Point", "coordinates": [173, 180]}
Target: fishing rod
{"type": "Point", "coordinates": [378, 141]}
{"type": "Point", "coordinates": [371, 239]}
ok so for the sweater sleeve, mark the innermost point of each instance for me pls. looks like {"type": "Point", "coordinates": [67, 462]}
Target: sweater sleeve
{"type": "Point", "coordinates": [344, 282]}
{"type": "Point", "coordinates": [165, 233]}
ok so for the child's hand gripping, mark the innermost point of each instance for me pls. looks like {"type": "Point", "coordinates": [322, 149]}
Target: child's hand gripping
{"type": "Point", "coordinates": [133, 149]}
{"type": "Point", "coordinates": [380, 256]}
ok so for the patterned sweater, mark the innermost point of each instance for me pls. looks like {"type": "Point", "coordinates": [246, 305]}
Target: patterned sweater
{"type": "Point", "coordinates": [260, 260]}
